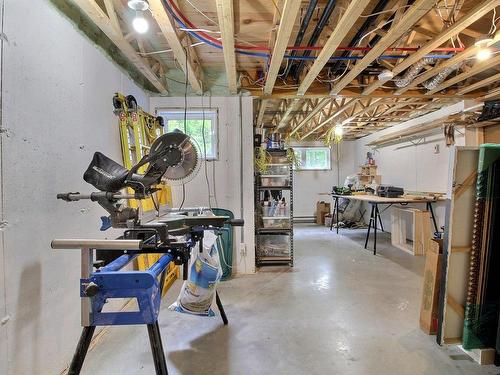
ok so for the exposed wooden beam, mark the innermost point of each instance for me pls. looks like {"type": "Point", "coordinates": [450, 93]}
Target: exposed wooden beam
{"type": "Point", "coordinates": [344, 25]}
{"type": "Point", "coordinates": [310, 115]}
{"type": "Point", "coordinates": [493, 94]}
{"type": "Point", "coordinates": [472, 16]}
{"type": "Point", "coordinates": [291, 107]}
{"type": "Point", "coordinates": [225, 15]}
{"type": "Point", "coordinates": [185, 60]}
{"type": "Point", "coordinates": [410, 17]}
{"type": "Point", "coordinates": [99, 17]}
{"type": "Point", "coordinates": [289, 14]}
{"type": "Point", "coordinates": [320, 91]}
{"type": "Point", "coordinates": [341, 110]}
{"type": "Point", "coordinates": [482, 83]}
{"type": "Point", "coordinates": [110, 9]}
{"type": "Point", "coordinates": [476, 69]}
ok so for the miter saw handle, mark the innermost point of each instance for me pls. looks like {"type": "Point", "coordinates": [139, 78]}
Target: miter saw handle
{"type": "Point", "coordinates": [236, 222]}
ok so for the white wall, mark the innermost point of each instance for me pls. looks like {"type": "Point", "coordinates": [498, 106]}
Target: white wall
{"type": "Point", "coordinates": [227, 169]}
{"type": "Point", "coordinates": [414, 167]}
{"type": "Point", "coordinates": [56, 99]}
{"type": "Point", "coordinates": [308, 184]}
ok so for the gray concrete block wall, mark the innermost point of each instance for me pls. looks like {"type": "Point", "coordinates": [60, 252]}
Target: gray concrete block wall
{"type": "Point", "coordinates": [57, 110]}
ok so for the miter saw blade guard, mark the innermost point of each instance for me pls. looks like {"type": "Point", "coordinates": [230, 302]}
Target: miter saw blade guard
{"type": "Point", "coordinates": [173, 157]}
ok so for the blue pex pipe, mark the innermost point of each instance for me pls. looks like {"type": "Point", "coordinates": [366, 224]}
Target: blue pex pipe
{"type": "Point", "coordinates": [290, 57]}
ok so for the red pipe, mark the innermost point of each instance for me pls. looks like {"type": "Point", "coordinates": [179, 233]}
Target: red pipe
{"type": "Point", "coordinates": [296, 48]}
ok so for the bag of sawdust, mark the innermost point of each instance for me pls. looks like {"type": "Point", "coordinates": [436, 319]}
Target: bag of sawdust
{"type": "Point", "coordinates": [198, 291]}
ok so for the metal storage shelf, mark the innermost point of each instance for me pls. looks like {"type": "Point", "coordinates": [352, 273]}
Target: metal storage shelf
{"type": "Point", "coordinates": [284, 236]}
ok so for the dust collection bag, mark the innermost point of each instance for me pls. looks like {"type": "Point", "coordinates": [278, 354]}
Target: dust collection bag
{"type": "Point", "coordinates": [197, 292]}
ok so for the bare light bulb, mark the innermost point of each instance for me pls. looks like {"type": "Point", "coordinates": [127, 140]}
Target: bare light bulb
{"type": "Point", "coordinates": [140, 24]}
{"type": "Point", "coordinates": [339, 131]}
{"type": "Point", "coordinates": [483, 54]}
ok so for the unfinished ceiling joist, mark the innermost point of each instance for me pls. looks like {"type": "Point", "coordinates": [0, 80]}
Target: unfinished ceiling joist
{"type": "Point", "coordinates": [476, 69]}
{"type": "Point", "coordinates": [99, 17]}
{"type": "Point", "coordinates": [289, 14]}
{"type": "Point", "coordinates": [410, 17]}
{"type": "Point", "coordinates": [345, 24]}
{"type": "Point", "coordinates": [185, 58]}
{"type": "Point", "coordinates": [225, 15]}
{"type": "Point", "coordinates": [472, 16]}
{"type": "Point", "coordinates": [339, 111]}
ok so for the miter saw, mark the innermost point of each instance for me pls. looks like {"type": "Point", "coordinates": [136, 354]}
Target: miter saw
{"type": "Point", "coordinates": [173, 157]}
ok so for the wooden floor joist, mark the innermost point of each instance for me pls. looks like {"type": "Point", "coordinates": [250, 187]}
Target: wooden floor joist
{"type": "Point", "coordinates": [99, 17]}
{"type": "Point", "coordinates": [289, 14]}
{"type": "Point", "coordinates": [169, 32]}
{"type": "Point", "coordinates": [410, 17]}
{"type": "Point", "coordinates": [470, 17]}
{"type": "Point", "coordinates": [225, 15]}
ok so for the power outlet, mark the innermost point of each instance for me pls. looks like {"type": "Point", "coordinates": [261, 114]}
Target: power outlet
{"type": "Point", "coordinates": [243, 250]}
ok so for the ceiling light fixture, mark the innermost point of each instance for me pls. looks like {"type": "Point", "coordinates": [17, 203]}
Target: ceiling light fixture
{"type": "Point", "coordinates": [139, 23]}
{"type": "Point", "coordinates": [138, 5]}
{"type": "Point", "coordinates": [339, 131]}
{"type": "Point", "coordinates": [483, 54]}
{"type": "Point", "coordinates": [483, 42]}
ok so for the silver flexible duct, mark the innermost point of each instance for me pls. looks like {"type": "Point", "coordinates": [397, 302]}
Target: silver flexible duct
{"type": "Point", "coordinates": [412, 72]}
{"type": "Point", "coordinates": [432, 83]}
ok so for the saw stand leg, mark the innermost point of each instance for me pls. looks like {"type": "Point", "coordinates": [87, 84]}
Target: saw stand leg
{"type": "Point", "coordinates": [81, 350]}
{"type": "Point", "coordinates": [157, 349]}
{"type": "Point", "coordinates": [154, 340]}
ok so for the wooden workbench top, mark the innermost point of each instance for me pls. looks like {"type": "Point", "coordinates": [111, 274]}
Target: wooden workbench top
{"type": "Point", "coordinates": [377, 199]}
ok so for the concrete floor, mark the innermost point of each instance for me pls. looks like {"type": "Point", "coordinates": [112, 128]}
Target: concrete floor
{"type": "Point", "coordinates": [340, 310]}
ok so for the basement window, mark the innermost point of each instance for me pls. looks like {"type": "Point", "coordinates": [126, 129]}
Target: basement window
{"type": "Point", "coordinates": [313, 158]}
{"type": "Point", "coordinates": [174, 119]}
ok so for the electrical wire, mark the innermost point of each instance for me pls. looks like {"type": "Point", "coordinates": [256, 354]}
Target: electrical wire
{"type": "Point", "coordinates": [184, 23]}
{"type": "Point", "coordinates": [185, 118]}
{"type": "Point", "coordinates": [205, 149]}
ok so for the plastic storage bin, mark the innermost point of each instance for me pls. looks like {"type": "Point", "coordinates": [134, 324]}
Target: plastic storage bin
{"type": "Point", "coordinates": [274, 245]}
{"type": "Point", "coordinates": [274, 181]}
{"type": "Point", "coordinates": [275, 210]}
{"type": "Point", "coordinates": [276, 222]}
{"type": "Point", "coordinates": [277, 169]}
{"type": "Point", "coordinates": [279, 159]}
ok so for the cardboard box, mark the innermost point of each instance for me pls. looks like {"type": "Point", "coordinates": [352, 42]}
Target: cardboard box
{"type": "Point", "coordinates": [322, 209]}
{"type": "Point", "coordinates": [430, 292]}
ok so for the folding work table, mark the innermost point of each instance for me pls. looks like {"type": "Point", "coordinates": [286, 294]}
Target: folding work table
{"type": "Point", "coordinates": [374, 202]}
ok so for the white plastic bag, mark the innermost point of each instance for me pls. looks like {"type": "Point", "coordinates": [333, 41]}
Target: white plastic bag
{"type": "Point", "coordinates": [197, 293]}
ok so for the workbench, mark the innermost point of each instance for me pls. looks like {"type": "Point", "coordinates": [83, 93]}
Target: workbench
{"type": "Point", "coordinates": [374, 201]}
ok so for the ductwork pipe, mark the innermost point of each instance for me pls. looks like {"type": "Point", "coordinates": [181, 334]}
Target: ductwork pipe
{"type": "Point", "coordinates": [432, 83]}
{"type": "Point", "coordinates": [412, 72]}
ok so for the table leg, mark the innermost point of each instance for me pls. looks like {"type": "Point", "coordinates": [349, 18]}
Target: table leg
{"type": "Point", "coordinates": [379, 219]}
{"type": "Point", "coordinates": [375, 231]}
{"type": "Point", "coordinates": [369, 226]}
{"type": "Point", "coordinates": [429, 207]}
{"type": "Point", "coordinates": [334, 208]}
{"type": "Point", "coordinates": [337, 213]}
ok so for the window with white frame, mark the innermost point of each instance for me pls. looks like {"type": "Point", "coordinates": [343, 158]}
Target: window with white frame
{"type": "Point", "coordinates": [312, 158]}
{"type": "Point", "coordinates": [201, 125]}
